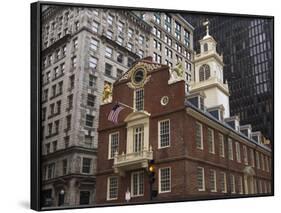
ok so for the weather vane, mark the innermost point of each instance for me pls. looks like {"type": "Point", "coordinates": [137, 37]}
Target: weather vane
{"type": "Point", "coordinates": [206, 23]}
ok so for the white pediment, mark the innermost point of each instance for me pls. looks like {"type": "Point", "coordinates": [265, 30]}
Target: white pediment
{"type": "Point", "coordinates": [138, 115]}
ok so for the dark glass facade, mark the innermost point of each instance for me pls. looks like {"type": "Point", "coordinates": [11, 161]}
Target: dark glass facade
{"type": "Point", "coordinates": [247, 47]}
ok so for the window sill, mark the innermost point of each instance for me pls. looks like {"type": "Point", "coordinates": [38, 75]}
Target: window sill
{"type": "Point", "coordinates": [53, 115]}
{"type": "Point", "coordinates": [46, 82]}
{"type": "Point", "coordinates": [110, 199]}
{"type": "Point", "coordinates": [83, 173]}
{"type": "Point", "coordinates": [159, 147]}
{"type": "Point", "coordinates": [164, 192]}
{"type": "Point", "coordinates": [58, 59]}
{"type": "Point", "coordinates": [90, 127]}
{"type": "Point", "coordinates": [52, 135]}
{"type": "Point", "coordinates": [136, 196]}
{"type": "Point", "coordinates": [44, 101]}
{"type": "Point", "coordinates": [67, 129]}
{"type": "Point", "coordinates": [54, 96]}
{"type": "Point", "coordinates": [57, 77]}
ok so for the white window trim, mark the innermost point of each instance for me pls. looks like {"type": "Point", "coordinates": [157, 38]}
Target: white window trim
{"type": "Point", "coordinates": [238, 152]}
{"type": "Point", "coordinates": [159, 180]}
{"type": "Point", "coordinates": [215, 179]}
{"type": "Point", "coordinates": [233, 190]}
{"type": "Point", "coordinates": [141, 126]}
{"type": "Point", "coordinates": [225, 183]}
{"type": "Point", "coordinates": [267, 163]}
{"type": "Point", "coordinates": [223, 148]}
{"type": "Point", "coordinates": [159, 140]}
{"type": "Point", "coordinates": [203, 179]}
{"type": "Point", "coordinates": [213, 141]}
{"type": "Point", "coordinates": [258, 159]}
{"type": "Point", "coordinates": [230, 141]}
{"type": "Point", "coordinates": [252, 155]}
{"type": "Point", "coordinates": [260, 187]}
{"type": "Point", "coordinates": [262, 162]}
{"type": "Point", "coordinates": [108, 183]}
{"type": "Point", "coordinates": [201, 131]}
{"type": "Point", "coordinates": [138, 195]}
{"type": "Point", "coordinates": [109, 144]}
{"type": "Point", "coordinates": [135, 107]}
{"type": "Point", "coordinates": [241, 190]}
{"type": "Point", "coordinates": [245, 156]}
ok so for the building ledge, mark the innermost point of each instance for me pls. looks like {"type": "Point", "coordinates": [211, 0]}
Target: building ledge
{"type": "Point", "coordinates": [203, 56]}
{"type": "Point", "coordinates": [72, 149]}
{"type": "Point", "coordinates": [209, 83]}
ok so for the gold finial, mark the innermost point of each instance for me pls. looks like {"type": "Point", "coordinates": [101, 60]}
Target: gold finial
{"type": "Point", "coordinates": [206, 23]}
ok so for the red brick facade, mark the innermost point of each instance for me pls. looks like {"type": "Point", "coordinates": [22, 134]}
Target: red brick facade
{"type": "Point", "coordinates": [182, 156]}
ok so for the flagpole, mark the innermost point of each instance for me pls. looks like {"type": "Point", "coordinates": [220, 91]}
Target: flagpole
{"type": "Point", "coordinates": [125, 105]}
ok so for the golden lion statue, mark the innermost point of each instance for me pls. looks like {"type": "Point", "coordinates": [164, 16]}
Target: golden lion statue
{"type": "Point", "coordinates": [107, 93]}
{"type": "Point", "coordinates": [178, 69]}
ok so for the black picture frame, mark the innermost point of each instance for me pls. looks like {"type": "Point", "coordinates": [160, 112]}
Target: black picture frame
{"type": "Point", "coordinates": [36, 84]}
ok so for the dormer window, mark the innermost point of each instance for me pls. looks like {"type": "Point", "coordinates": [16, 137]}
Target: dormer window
{"type": "Point", "coordinates": [197, 100]}
{"type": "Point", "coordinates": [204, 72]}
{"type": "Point", "coordinates": [205, 47]}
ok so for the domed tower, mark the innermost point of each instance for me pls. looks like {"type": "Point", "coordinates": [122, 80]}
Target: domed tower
{"type": "Point", "coordinates": [208, 74]}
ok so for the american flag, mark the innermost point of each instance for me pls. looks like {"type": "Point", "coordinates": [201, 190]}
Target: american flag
{"type": "Point", "coordinates": [113, 115]}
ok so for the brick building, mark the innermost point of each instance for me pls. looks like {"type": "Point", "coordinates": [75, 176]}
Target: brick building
{"type": "Point", "coordinates": [198, 150]}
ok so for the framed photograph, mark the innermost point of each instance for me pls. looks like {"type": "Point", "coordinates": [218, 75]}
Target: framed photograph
{"type": "Point", "coordinates": [138, 105]}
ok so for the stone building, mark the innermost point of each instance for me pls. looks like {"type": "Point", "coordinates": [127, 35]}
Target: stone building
{"type": "Point", "coordinates": [171, 41]}
{"type": "Point", "coordinates": [198, 151]}
{"type": "Point", "coordinates": [84, 50]}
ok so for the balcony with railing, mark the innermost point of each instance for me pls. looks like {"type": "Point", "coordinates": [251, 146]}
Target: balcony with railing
{"type": "Point", "coordinates": [131, 161]}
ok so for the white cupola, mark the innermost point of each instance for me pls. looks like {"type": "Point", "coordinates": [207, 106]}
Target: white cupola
{"type": "Point", "coordinates": [208, 74]}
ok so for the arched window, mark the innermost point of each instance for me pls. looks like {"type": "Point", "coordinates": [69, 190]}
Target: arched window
{"type": "Point", "coordinates": [205, 47]}
{"type": "Point", "coordinates": [207, 72]}
{"type": "Point", "coordinates": [201, 73]}
{"type": "Point", "coordinates": [204, 72]}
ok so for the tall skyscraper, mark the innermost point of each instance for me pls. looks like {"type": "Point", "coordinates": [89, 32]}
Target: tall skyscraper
{"type": "Point", "coordinates": [84, 50]}
{"type": "Point", "coordinates": [247, 47]}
